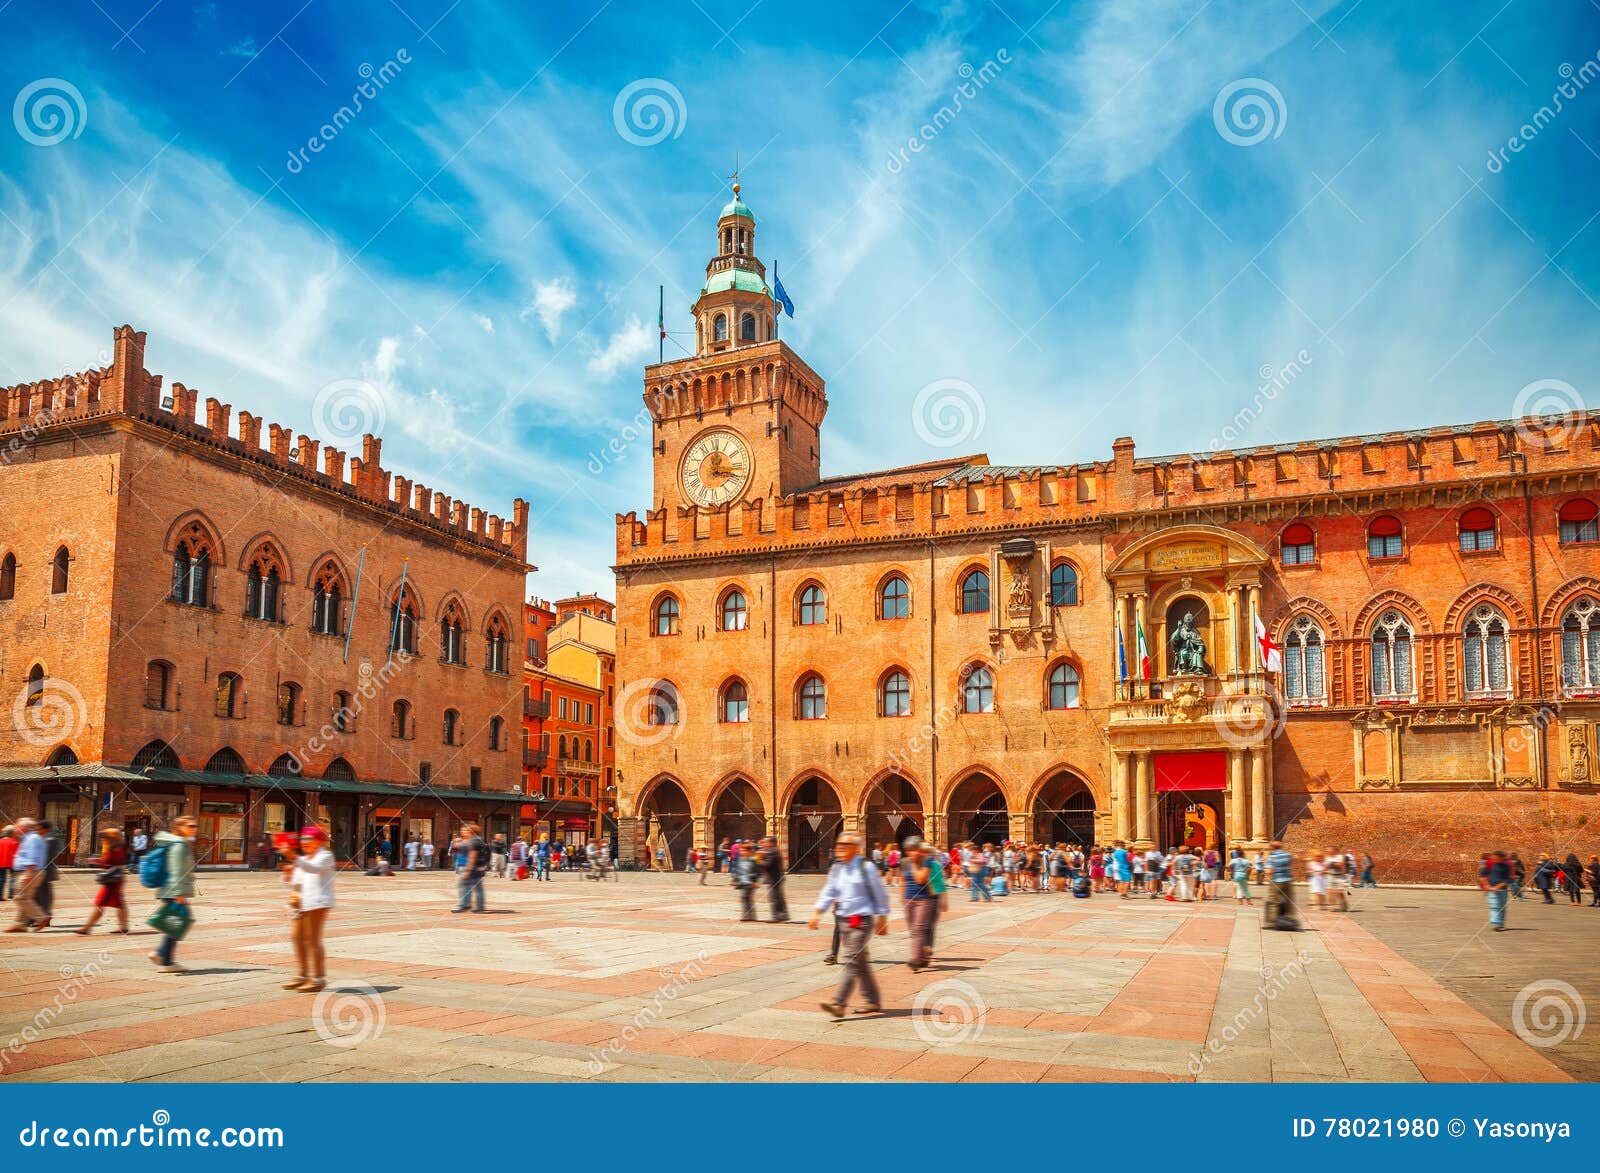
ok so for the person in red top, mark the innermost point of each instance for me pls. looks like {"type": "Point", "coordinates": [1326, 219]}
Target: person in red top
{"type": "Point", "coordinates": [113, 865]}
{"type": "Point", "coordinates": [8, 855]}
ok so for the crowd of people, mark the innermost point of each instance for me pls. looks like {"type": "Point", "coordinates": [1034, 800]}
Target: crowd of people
{"type": "Point", "coordinates": [1505, 877]}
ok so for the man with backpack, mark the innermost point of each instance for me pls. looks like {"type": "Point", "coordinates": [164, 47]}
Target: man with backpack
{"type": "Point", "coordinates": [169, 867]}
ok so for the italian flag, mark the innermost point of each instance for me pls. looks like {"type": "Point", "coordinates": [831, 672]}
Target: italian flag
{"type": "Point", "coordinates": [1142, 653]}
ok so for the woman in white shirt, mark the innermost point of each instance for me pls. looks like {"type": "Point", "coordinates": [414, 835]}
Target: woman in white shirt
{"type": "Point", "coordinates": [311, 873]}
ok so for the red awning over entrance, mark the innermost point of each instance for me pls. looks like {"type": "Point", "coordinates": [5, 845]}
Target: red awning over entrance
{"type": "Point", "coordinates": [1200, 770]}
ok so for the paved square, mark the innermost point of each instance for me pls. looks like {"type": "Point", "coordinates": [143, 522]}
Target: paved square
{"type": "Point", "coordinates": [654, 978]}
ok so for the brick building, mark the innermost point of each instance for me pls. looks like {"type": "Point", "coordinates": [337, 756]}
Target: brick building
{"type": "Point", "coordinates": [936, 648]}
{"type": "Point", "coordinates": [569, 754]}
{"type": "Point", "coordinates": [257, 634]}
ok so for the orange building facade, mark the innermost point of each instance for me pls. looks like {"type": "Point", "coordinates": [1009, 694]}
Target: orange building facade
{"type": "Point", "coordinates": [201, 618]}
{"type": "Point", "coordinates": [956, 649]}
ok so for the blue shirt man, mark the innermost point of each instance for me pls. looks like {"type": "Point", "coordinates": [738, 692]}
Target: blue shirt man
{"type": "Point", "coordinates": [31, 852]}
{"type": "Point", "coordinates": [1280, 864]}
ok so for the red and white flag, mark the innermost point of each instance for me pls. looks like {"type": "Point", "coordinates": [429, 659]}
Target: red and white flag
{"type": "Point", "coordinates": [1271, 657]}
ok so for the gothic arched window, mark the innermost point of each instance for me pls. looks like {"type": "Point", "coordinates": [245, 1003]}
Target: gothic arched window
{"type": "Point", "coordinates": [977, 690]}
{"type": "Point", "coordinates": [191, 568]}
{"type": "Point", "coordinates": [452, 648]}
{"type": "Point", "coordinates": [894, 598]}
{"type": "Point", "coordinates": [1392, 676]}
{"type": "Point", "coordinates": [327, 600]}
{"type": "Point", "coordinates": [403, 622]}
{"type": "Point", "coordinates": [1304, 675]}
{"type": "Point", "coordinates": [1484, 648]}
{"type": "Point", "coordinates": [894, 695]}
{"type": "Point", "coordinates": [813, 698]}
{"type": "Point", "coordinates": [975, 592]}
{"type": "Point", "coordinates": [1063, 687]}
{"type": "Point", "coordinates": [1580, 646]}
{"type": "Point", "coordinates": [735, 611]}
{"type": "Point", "coordinates": [261, 596]}
{"type": "Point", "coordinates": [735, 707]}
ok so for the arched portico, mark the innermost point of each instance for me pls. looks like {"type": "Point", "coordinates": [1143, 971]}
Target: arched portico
{"type": "Point", "coordinates": [977, 810]}
{"type": "Point", "coordinates": [666, 822]}
{"type": "Point", "coordinates": [737, 811]}
{"type": "Point", "coordinates": [892, 810]}
{"type": "Point", "coordinates": [1064, 811]}
{"type": "Point", "coordinates": [814, 819]}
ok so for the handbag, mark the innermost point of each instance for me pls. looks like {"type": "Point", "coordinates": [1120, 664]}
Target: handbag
{"type": "Point", "coordinates": [171, 919]}
{"type": "Point", "coordinates": [111, 875]}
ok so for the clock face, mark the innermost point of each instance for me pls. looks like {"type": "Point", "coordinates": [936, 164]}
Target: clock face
{"type": "Point", "coordinates": [716, 468]}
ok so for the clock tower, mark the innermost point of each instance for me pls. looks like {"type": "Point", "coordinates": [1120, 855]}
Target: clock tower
{"type": "Point", "coordinates": [739, 420]}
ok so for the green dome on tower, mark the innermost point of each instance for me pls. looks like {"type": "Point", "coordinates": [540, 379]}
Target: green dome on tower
{"type": "Point", "coordinates": [737, 207]}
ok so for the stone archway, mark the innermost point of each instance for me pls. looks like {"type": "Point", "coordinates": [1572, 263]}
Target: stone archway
{"type": "Point", "coordinates": [738, 813]}
{"type": "Point", "coordinates": [893, 811]}
{"type": "Point", "coordinates": [667, 822]}
{"type": "Point", "coordinates": [815, 820]}
{"type": "Point", "coordinates": [1064, 811]}
{"type": "Point", "coordinates": [977, 811]}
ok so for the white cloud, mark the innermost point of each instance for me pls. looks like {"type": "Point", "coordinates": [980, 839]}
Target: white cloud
{"type": "Point", "coordinates": [551, 301]}
{"type": "Point", "coordinates": [629, 345]}
{"type": "Point", "coordinates": [485, 323]}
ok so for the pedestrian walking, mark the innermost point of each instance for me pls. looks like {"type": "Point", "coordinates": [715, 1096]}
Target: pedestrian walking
{"type": "Point", "coordinates": [1368, 880]}
{"type": "Point", "coordinates": [770, 860]}
{"type": "Point", "coordinates": [702, 864]}
{"type": "Point", "coordinates": [1280, 910]}
{"type": "Point", "coordinates": [113, 865]}
{"type": "Point", "coordinates": [54, 849]}
{"type": "Point", "coordinates": [1519, 875]}
{"type": "Point", "coordinates": [541, 857]}
{"type": "Point", "coordinates": [1239, 873]}
{"type": "Point", "coordinates": [169, 867]}
{"type": "Point", "coordinates": [855, 892]}
{"type": "Point", "coordinates": [1594, 880]}
{"type": "Point", "coordinates": [1572, 876]}
{"type": "Point", "coordinates": [746, 874]}
{"type": "Point", "coordinates": [474, 856]}
{"type": "Point", "coordinates": [311, 871]}
{"type": "Point", "coordinates": [975, 862]}
{"type": "Point", "coordinates": [29, 870]}
{"type": "Point", "coordinates": [497, 856]}
{"type": "Point", "coordinates": [1494, 877]}
{"type": "Point", "coordinates": [137, 846]}
{"type": "Point", "coordinates": [1544, 877]}
{"type": "Point", "coordinates": [413, 852]}
{"type": "Point", "coordinates": [8, 857]}
{"type": "Point", "coordinates": [921, 901]}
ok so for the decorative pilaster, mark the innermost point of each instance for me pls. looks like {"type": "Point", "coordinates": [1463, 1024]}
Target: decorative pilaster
{"type": "Point", "coordinates": [1239, 827]}
{"type": "Point", "coordinates": [1145, 799]}
{"type": "Point", "coordinates": [1260, 797]}
{"type": "Point", "coordinates": [1122, 795]}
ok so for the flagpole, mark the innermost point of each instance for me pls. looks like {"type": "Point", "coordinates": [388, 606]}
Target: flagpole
{"type": "Point", "coordinates": [777, 309]}
{"type": "Point", "coordinates": [661, 324]}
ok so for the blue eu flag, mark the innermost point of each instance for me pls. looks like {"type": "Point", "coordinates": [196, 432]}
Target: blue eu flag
{"type": "Point", "coordinates": [779, 296]}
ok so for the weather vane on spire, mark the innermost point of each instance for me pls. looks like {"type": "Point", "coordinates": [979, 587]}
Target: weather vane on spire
{"type": "Point", "coordinates": [735, 176]}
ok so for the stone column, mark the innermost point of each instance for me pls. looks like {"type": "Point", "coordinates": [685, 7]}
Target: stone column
{"type": "Point", "coordinates": [1235, 606]}
{"type": "Point", "coordinates": [1239, 826]}
{"type": "Point", "coordinates": [1254, 610]}
{"type": "Point", "coordinates": [1122, 795]}
{"type": "Point", "coordinates": [1020, 831]}
{"type": "Point", "coordinates": [1260, 797]}
{"type": "Point", "coordinates": [934, 823]}
{"type": "Point", "coordinates": [630, 837]}
{"type": "Point", "coordinates": [1145, 798]}
{"type": "Point", "coordinates": [702, 833]}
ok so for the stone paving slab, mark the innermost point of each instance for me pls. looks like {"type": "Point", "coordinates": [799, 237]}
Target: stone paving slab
{"type": "Point", "coordinates": [654, 978]}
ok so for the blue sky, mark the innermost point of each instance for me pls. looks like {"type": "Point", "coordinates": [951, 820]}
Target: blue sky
{"type": "Point", "coordinates": [1098, 242]}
